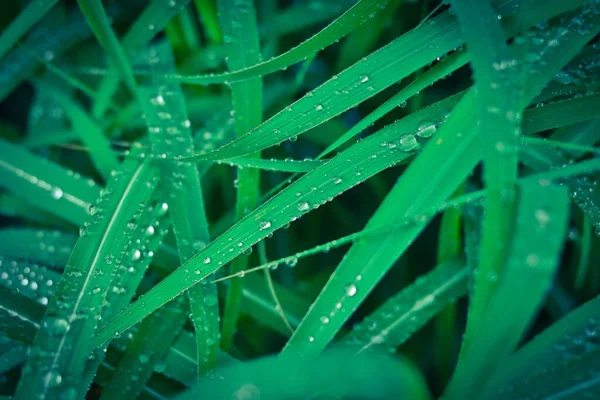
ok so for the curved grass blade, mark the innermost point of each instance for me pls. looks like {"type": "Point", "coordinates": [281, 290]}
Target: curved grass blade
{"type": "Point", "coordinates": [371, 259]}
{"type": "Point", "coordinates": [336, 374]}
{"type": "Point", "coordinates": [540, 227]}
{"type": "Point", "coordinates": [31, 280]}
{"type": "Point", "coordinates": [346, 23]}
{"type": "Point", "coordinates": [240, 33]}
{"type": "Point", "coordinates": [273, 165]}
{"type": "Point", "coordinates": [152, 20]}
{"type": "Point", "coordinates": [28, 17]}
{"type": "Point", "coordinates": [170, 134]}
{"type": "Point", "coordinates": [559, 363]}
{"type": "Point", "coordinates": [57, 365]}
{"type": "Point", "coordinates": [375, 73]}
{"type": "Point", "coordinates": [287, 206]}
{"type": "Point", "coordinates": [48, 247]}
{"type": "Point", "coordinates": [392, 323]}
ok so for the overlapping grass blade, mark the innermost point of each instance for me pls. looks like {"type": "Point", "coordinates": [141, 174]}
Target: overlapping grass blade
{"type": "Point", "coordinates": [240, 33]}
{"type": "Point", "coordinates": [19, 316]}
{"type": "Point", "coordinates": [26, 19]}
{"type": "Point", "coordinates": [170, 134]}
{"type": "Point", "coordinates": [409, 310]}
{"type": "Point", "coordinates": [152, 20]}
{"type": "Point", "coordinates": [46, 185]}
{"type": "Point", "coordinates": [287, 206]}
{"type": "Point", "coordinates": [499, 111]}
{"type": "Point", "coordinates": [208, 17]}
{"type": "Point", "coordinates": [89, 130]}
{"type": "Point", "coordinates": [346, 23]}
{"type": "Point", "coordinates": [558, 363]}
{"type": "Point", "coordinates": [446, 162]}
{"type": "Point", "coordinates": [58, 363]}
{"type": "Point", "coordinates": [18, 65]}
{"type": "Point", "coordinates": [540, 227]}
{"type": "Point", "coordinates": [94, 12]}
{"type": "Point", "coordinates": [375, 73]}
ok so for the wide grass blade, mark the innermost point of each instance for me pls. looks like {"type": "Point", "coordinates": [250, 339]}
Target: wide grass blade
{"type": "Point", "coordinates": [170, 134]}
{"type": "Point", "coordinates": [240, 34]}
{"type": "Point", "coordinates": [540, 227]}
{"type": "Point", "coordinates": [336, 374]}
{"type": "Point", "coordinates": [57, 364]}
{"type": "Point", "coordinates": [47, 247]}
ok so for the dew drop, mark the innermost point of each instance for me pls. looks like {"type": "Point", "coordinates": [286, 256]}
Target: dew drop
{"type": "Point", "coordinates": [206, 260]}
{"type": "Point", "coordinates": [265, 225]}
{"type": "Point", "coordinates": [351, 290]}
{"type": "Point", "coordinates": [408, 143]}
{"type": "Point", "coordinates": [57, 193]}
{"type": "Point", "coordinates": [302, 206]}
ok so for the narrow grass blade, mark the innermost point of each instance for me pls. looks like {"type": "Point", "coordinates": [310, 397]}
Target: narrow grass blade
{"type": "Point", "coordinates": [46, 185]}
{"type": "Point", "coordinates": [20, 316]}
{"type": "Point", "coordinates": [346, 23]}
{"type": "Point", "coordinates": [18, 65]}
{"type": "Point", "coordinates": [57, 365]}
{"type": "Point", "coordinates": [446, 161]}
{"type": "Point", "coordinates": [149, 347]}
{"type": "Point", "coordinates": [98, 20]}
{"type": "Point", "coordinates": [27, 18]}
{"type": "Point", "coordinates": [540, 228]}
{"type": "Point", "coordinates": [170, 134]}
{"type": "Point", "coordinates": [89, 130]}
{"type": "Point", "coordinates": [150, 22]}
{"type": "Point", "coordinates": [208, 17]}
{"type": "Point", "coordinates": [240, 34]}
{"type": "Point", "coordinates": [559, 363]}
{"type": "Point", "coordinates": [398, 318]}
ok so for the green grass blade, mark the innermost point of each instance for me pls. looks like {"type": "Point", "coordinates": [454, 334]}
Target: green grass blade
{"type": "Point", "coordinates": [28, 17]}
{"type": "Point", "coordinates": [47, 247]}
{"type": "Point", "coordinates": [17, 65]}
{"type": "Point", "coordinates": [446, 161]}
{"type": "Point", "coordinates": [499, 110]}
{"type": "Point", "coordinates": [208, 17]}
{"type": "Point", "coordinates": [151, 344]}
{"type": "Point", "coordinates": [333, 32]}
{"type": "Point", "coordinates": [368, 77]}
{"type": "Point", "coordinates": [170, 134]}
{"type": "Point", "coordinates": [19, 316]}
{"type": "Point", "coordinates": [240, 34]}
{"type": "Point", "coordinates": [46, 185]}
{"type": "Point", "coordinates": [283, 208]}
{"type": "Point", "coordinates": [540, 229]}
{"type": "Point", "coordinates": [98, 20]}
{"type": "Point", "coordinates": [57, 365]}
{"type": "Point", "coordinates": [336, 374]}
{"type": "Point", "coordinates": [556, 364]}
{"type": "Point", "coordinates": [31, 280]}
{"type": "Point", "coordinates": [150, 22]}
{"type": "Point", "coordinates": [399, 317]}
{"type": "Point", "coordinates": [91, 133]}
